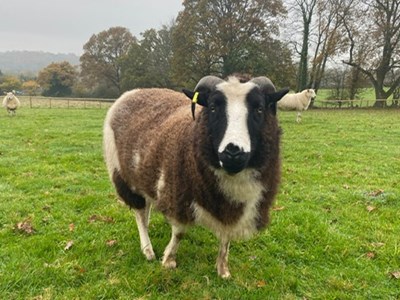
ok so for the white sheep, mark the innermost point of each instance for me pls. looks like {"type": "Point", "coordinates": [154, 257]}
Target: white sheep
{"type": "Point", "coordinates": [220, 170]}
{"type": "Point", "coordinates": [298, 102]}
{"type": "Point", "coordinates": [11, 103]}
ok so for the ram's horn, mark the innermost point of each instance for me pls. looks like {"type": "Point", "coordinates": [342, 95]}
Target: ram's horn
{"type": "Point", "coordinates": [208, 83]}
{"type": "Point", "coordinates": [265, 84]}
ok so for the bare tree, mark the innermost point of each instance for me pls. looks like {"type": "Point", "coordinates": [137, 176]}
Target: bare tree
{"type": "Point", "coordinates": [357, 45]}
{"type": "Point", "coordinates": [374, 46]}
{"type": "Point", "coordinates": [304, 8]}
{"type": "Point", "coordinates": [329, 35]}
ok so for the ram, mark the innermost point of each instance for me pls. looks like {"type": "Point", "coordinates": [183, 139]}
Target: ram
{"type": "Point", "coordinates": [298, 102]}
{"type": "Point", "coordinates": [11, 103]}
{"type": "Point", "coordinates": [220, 170]}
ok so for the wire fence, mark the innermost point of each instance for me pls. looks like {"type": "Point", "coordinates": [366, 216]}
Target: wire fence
{"type": "Point", "coordinates": [58, 102]}
{"type": "Point", "coordinates": [357, 103]}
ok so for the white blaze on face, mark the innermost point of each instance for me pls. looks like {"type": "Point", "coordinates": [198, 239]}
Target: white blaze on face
{"type": "Point", "coordinates": [237, 131]}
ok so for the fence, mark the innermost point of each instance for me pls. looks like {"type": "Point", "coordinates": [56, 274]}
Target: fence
{"type": "Point", "coordinates": [55, 102]}
{"type": "Point", "coordinates": [358, 103]}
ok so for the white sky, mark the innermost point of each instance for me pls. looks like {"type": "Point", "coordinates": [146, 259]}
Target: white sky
{"type": "Point", "coordinates": [64, 26]}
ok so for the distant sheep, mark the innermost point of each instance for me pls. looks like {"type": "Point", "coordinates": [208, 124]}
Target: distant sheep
{"type": "Point", "coordinates": [11, 103]}
{"type": "Point", "coordinates": [298, 102]}
{"type": "Point", "coordinates": [220, 170]}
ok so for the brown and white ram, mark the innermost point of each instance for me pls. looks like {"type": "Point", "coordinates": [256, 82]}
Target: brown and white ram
{"type": "Point", "coordinates": [220, 170]}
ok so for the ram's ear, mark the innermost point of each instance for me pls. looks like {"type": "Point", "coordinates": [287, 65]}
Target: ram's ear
{"type": "Point", "coordinates": [273, 98]}
{"type": "Point", "coordinates": [200, 99]}
{"type": "Point", "coordinates": [196, 98]}
{"type": "Point", "coordinates": [276, 96]}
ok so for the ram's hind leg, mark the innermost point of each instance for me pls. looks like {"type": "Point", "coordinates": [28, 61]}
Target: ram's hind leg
{"type": "Point", "coordinates": [169, 258]}
{"type": "Point", "coordinates": [142, 212]}
{"type": "Point", "coordinates": [142, 221]}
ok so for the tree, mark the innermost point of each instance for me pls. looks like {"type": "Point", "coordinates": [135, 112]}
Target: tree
{"type": "Point", "coordinates": [330, 35]}
{"type": "Point", "coordinates": [148, 63]}
{"type": "Point", "coordinates": [101, 60]}
{"type": "Point", "coordinates": [9, 83]}
{"type": "Point", "coordinates": [374, 47]}
{"type": "Point", "coordinates": [31, 87]}
{"type": "Point", "coordinates": [222, 37]}
{"type": "Point", "coordinates": [302, 10]}
{"type": "Point", "coordinates": [272, 58]}
{"type": "Point", "coordinates": [57, 79]}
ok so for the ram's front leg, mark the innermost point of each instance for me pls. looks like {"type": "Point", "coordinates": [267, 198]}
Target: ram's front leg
{"type": "Point", "coordinates": [222, 259]}
{"type": "Point", "coordinates": [298, 119]}
{"type": "Point", "coordinates": [169, 258]}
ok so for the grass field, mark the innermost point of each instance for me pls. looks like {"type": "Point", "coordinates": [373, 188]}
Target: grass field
{"type": "Point", "coordinates": [334, 231]}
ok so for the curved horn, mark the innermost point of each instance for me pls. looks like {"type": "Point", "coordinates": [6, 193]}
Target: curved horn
{"type": "Point", "coordinates": [208, 83]}
{"type": "Point", "coordinates": [265, 84]}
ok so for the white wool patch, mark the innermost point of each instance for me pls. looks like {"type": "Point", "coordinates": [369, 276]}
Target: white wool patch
{"type": "Point", "coordinates": [244, 228]}
{"type": "Point", "coordinates": [243, 187]}
{"type": "Point", "coordinates": [110, 150]}
{"type": "Point", "coordinates": [160, 184]}
{"type": "Point", "coordinates": [136, 158]}
{"type": "Point", "coordinates": [109, 144]}
{"type": "Point", "coordinates": [237, 131]}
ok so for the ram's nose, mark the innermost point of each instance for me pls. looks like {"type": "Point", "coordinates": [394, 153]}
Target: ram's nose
{"type": "Point", "coordinates": [233, 159]}
{"type": "Point", "coordinates": [232, 151]}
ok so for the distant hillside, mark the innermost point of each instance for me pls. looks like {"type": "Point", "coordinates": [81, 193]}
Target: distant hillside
{"type": "Point", "coordinates": [17, 62]}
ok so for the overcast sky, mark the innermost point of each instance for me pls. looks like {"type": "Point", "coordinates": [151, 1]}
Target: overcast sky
{"type": "Point", "coordinates": [64, 26]}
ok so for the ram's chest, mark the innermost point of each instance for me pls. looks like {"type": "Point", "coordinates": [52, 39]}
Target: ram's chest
{"type": "Point", "coordinates": [244, 227]}
{"type": "Point", "coordinates": [244, 188]}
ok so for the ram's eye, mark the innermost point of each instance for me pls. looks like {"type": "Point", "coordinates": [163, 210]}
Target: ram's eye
{"type": "Point", "coordinates": [260, 110]}
{"type": "Point", "coordinates": [212, 108]}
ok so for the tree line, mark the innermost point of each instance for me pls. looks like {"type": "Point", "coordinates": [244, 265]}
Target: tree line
{"type": "Point", "coordinates": [297, 43]}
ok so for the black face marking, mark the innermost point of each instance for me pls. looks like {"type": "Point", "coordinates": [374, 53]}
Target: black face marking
{"type": "Point", "coordinates": [257, 108]}
{"type": "Point", "coordinates": [258, 114]}
{"type": "Point", "coordinates": [217, 119]}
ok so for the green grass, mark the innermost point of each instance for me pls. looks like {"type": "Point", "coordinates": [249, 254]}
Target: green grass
{"type": "Point", "coordinates": [333, 235]}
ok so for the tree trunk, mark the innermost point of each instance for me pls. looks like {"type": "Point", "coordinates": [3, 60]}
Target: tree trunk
{"type": "Point", "coordinates": [380, 94]}
{"type": "Point", "coordinates": [303, 66]}
{"type": "Point", "coordinates": [380, 99]}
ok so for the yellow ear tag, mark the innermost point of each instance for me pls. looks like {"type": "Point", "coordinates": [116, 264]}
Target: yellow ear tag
{"type": "Point", "coordinates": [194, 100]}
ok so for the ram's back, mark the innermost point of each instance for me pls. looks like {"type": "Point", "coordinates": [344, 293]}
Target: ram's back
{"type": "Point", "coordinates": [142, 129]}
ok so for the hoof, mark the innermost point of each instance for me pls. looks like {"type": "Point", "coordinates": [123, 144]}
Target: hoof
{"type": "Point", "coordinates": [169, 263]}
{"type": "Point", "coordinates": [223, 271]}
{"type": "Point", "coordinates": [225, 275]}
{"type": "Point", "coordinates": [149, 253]}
